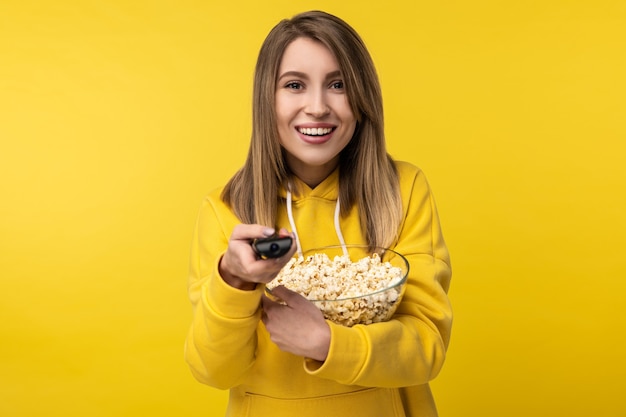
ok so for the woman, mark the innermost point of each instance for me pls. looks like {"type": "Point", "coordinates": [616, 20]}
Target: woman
{"type": "Point", "coordinates": [317, 165]}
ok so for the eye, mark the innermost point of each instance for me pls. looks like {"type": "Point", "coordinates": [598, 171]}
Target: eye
{"type": "Point", "coordinates": [337, 85]}
{"type": "Point", "coordinates": [294, 85]}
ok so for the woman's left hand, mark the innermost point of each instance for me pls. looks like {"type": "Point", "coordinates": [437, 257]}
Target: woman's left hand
{"type": "Point", "coordinates": [296, 326]}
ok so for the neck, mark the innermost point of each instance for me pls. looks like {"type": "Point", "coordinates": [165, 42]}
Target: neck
{"type": "Point", "coordinates": [313, 175]}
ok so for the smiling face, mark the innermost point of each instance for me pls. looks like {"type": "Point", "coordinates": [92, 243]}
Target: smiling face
{"type": "Point", "coordinates": [315, 121]}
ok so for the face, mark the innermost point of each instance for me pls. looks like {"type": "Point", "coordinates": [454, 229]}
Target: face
{"type": "Point", "coordinates": [315, 121]}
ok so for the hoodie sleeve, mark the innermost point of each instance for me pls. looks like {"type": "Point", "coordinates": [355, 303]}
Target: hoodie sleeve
{"type": "Point", "coordinates": [410, 348]}
{"type": "Point", "coordinates": [221, 342]}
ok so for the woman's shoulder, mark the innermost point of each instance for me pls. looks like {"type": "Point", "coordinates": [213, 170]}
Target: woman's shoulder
{"type": "Point", "coordinates": [215, 193]}
{"type": "Point", "coordinates": [412, 179]}
{"type": "Point", "coordinates": [407, 169]}
{"type": "Point", "coordinates": [213, 198]}
{"type": "Point", "coordinates": [214, 206]}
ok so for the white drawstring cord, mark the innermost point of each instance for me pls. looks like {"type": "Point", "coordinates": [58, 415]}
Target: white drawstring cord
{"type": "Point", "coordinates": [338, 229]}
{"type": "Point", "coordinates": [295, 231]}
{"type": "Point", "coordinates": [293, 223]}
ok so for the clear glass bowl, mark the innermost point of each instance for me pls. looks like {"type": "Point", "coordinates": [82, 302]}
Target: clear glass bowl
{"type": "Point", "coordinates": [363, 289]}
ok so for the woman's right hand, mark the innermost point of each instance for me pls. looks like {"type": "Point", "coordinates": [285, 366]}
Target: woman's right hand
{"type": "Point", "coordinates": [241, 267]}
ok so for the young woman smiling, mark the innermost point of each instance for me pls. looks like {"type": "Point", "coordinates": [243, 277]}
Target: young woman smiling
{"type": "Point", "coordinates": [318, 167]}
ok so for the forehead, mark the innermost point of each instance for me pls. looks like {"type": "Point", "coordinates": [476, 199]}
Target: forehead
{"type": "Point", "coordinates": [308, 55]}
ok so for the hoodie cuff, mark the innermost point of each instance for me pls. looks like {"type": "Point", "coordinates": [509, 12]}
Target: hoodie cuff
{"type": "Point", "coordinates": [230, 302]}
{"type": "Point", "coordinates": [346, 355]}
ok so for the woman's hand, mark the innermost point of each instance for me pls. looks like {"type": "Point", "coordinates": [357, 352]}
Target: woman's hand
{"type": "Point", "coordinates": [296, 326]}
{"type": "Point", "coordinates": [241, 267]}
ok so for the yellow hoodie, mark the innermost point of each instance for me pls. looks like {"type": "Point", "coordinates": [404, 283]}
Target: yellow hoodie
{"type": "Point", "coordinates": [376, 370]}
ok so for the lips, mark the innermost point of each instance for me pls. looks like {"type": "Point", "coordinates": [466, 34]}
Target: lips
{"type": "Point", "coordinates": [315, 131]}
{"type": "Point", "coordinates": [315, 134]}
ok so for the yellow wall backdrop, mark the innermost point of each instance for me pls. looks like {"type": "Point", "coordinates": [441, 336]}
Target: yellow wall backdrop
{"type": "Point", "coordinates": [117, 116]}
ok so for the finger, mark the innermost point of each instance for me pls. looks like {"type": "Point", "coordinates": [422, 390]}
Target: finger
{"type": "Point", "coordinates": [251, 231]}
{"type": "Point", "coordinates": [284, 233]}
{"type": "Point", "coordinates": [271, 300]}
{"type": "Point", "coordinates": [265, 302]}
{"type": "Point", "coordinates": [285, 294]}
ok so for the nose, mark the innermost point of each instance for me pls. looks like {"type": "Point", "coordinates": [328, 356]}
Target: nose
{"type": "Point", "coordinates": [317, 105]}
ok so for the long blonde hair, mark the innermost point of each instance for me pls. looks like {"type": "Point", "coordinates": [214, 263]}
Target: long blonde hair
{"type": "Point", "coordinates": [367, 174]}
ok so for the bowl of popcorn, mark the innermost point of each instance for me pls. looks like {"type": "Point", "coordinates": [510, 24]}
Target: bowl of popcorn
{"type": "Point", "coordinates": [350, 284]}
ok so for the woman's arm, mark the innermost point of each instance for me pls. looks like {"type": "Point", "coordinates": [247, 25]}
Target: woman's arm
{"type": "Point", "coordinates": [221, 342]}
{"type": "Point", "coordinates": [226, 300]}
{"type": "Point", "coordinates": [410, 348]}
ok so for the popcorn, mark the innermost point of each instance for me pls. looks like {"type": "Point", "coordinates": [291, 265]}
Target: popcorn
{"type": "Point", "coordinates": [346, 292]}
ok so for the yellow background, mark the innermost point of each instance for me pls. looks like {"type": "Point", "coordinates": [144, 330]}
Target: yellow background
{"type": "Point", "coordinates": [116, 117]}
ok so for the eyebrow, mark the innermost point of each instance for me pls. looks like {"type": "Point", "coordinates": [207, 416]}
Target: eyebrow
{"type": "Point", "coordinates": [303, 75]}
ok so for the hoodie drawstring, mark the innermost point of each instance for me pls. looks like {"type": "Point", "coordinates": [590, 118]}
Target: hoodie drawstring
{"type": "Point", "coordinates": [293, 223]}
{"type": "Point", "coordinates": [338, 229]}
{"type": "Point", "coordinates": [295, 231]}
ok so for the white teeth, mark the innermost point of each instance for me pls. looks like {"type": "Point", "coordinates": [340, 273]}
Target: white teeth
{"type": "Point", "coordinates": [316, 131]}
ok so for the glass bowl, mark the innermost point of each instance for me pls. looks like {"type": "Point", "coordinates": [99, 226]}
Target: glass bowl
{"type": "Point", "coordinates": [350, 284]}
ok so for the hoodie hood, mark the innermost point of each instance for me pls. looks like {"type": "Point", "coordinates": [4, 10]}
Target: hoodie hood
{"type": "Point", "coordinates": [327, 189]}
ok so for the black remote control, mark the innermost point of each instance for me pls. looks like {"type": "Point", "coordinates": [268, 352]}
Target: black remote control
{"type": "Point", "coordinates": [272, 247]}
